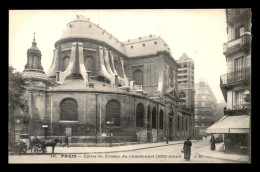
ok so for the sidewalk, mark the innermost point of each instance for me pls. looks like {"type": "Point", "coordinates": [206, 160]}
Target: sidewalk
{"type": "Point", "coordinates": [122, 148]}
{"type": "Point", "coordinates": [223, 156]}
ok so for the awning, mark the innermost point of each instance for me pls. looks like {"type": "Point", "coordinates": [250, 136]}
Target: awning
{"type": "Point", "coordinates": [231, 124]}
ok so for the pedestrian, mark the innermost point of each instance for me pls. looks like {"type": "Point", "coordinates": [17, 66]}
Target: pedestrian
{"type": "Point", "coordinates": [187, 149]}
{"type": "Point", "coordinates": [66, 142]}
{"type": "Point", "coordinates": [212, 141]}
{"type": "Point", "coordinates": [138, 137]}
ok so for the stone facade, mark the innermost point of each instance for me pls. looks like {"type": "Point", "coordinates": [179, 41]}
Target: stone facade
{"type": "Point", "coordinates": [94, 79]}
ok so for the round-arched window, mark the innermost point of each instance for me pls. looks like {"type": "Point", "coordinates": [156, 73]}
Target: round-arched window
{"type": "Point", "coordinates": [113, 112]}
{"type": "Point", "coordinates": [140, 115]}
{"type": "Point", "coordinates": [89, 64]}
{"type": "Point", "coordinates": [138, 77]}
{"type": "Point", "coordinates": [69, 109]}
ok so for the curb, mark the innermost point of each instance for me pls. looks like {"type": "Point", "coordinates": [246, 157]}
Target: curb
{"type": "Point", "coordinates": [108, 151]}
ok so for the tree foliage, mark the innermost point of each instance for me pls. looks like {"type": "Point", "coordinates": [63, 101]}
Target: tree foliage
{"type": "Point", "coordinates": [16, 88]}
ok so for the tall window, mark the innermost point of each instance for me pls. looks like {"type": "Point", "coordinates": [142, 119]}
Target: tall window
{"type": "Point", "coordinates": [140, 115]}
{"type": "Point", "coordinates": [69, 109]}
{"type": "Point", "coordinates": [239, 63]}
{"type": "Point", "coordinates": [171, 78]}
{"type": "Point", "coordinates": [89, 64]}
{"type": "Point", "coordinates": [238, 99]}
{"type": "Point", "coordinates": [65, 63]}
{"type": "Point", "coordinates": [239, 31]}
{"type": "Point", "coordinates": [161, 120]}
{"type": "Point", "coordinates": [113, 112]}
{"type": "Point", "coordinates": [35, 61]}
{"type": "Point", "coordinates": [154, 118]}
{"type": "Point", "coordinates": [138, 77]}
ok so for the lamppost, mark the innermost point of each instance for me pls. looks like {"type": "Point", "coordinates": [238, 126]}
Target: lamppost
{"type": "Point", "coordinates": [45, 127]}
{"type": "Point", "coordinates": [109, 124]}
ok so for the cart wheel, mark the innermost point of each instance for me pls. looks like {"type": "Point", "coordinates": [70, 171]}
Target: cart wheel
{"type": "Point", "coordinates": [24, 150]}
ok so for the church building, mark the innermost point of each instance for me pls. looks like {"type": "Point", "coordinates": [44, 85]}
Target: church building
{"type": "Point", "coordinates": [97, 84]}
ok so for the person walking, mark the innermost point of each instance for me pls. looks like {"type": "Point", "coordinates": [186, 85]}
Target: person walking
{"type": "Point", "coordinates": [187, 149]}
{"type": "Point", "coordinates": [138, 137]}
{"type": "Point", "coordinates": [212, 141]}
{"type": "Point", "coordinates": [66, 142]}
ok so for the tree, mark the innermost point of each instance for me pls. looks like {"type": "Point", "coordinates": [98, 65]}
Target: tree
{"type": "Point", "coordinates": [16, 99]}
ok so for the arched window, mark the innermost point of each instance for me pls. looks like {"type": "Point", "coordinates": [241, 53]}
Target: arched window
{"type": "Point", "coordinates": [113, 112]}
{"type": "Point", "coordinates": [65, 63]}
{"type": "Point", "coordinates": [154, 118]}
{"type": "Point", "coordinates": [35, 61]}
{"type": "Point", "coordinates": [69, 109]}
{"type": "Point", "coordinates": [148, 114]}
{"type": "Point", "coordinates": [138, 77]}
{"type": "Point", "coordinates": [89, 64]}
{"type": "Point", "coordinates": [161, 120]}
{"type": "Point", "coordinates": [140, 115]}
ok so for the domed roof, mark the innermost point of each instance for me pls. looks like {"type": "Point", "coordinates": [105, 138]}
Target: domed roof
{"type": "Point", "coordinates": [82, 28]}
{"type": "Point", "coordinates": [34, 47]}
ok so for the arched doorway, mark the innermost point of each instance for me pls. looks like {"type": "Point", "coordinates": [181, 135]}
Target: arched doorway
{"type": "Point", "coordinates": [68, 112]}
{"type": "Point", "coordinates": [113, 112]}
{"type": "Point", "coordinates": [140, 115]}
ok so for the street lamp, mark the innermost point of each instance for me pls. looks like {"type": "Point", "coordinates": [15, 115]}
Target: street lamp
{"type": "Point", "coordinates": [45, 127]}
{"type": "Point", "coordinates": [109, 124]}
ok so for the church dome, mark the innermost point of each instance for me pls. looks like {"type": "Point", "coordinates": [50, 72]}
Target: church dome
{"type": "Point", "coordinates": [81, 29]}
{"type": "Point", "coordinates": [34, 48]}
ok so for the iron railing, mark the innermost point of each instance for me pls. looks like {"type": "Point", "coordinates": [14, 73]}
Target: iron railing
{"type": "Point", "coordinates": [236, 76]}
{"type": "Point", "coordinates": [233, 44]}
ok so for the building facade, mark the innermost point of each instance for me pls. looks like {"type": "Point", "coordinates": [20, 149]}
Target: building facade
{"type": "Point", "coordinates": [236, 84]}
{"type": "Point", "coordinates": [95, 79]}
{"type": "Point", "coordinates": [186, 91]}
{"type": "Point", "coordinates": [205, 108]}
{"type": "Point", "coordinates": [237, 51]}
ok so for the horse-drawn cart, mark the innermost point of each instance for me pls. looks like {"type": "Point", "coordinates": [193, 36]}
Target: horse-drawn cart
{"type": "Point", "coordinates": [39, 146]}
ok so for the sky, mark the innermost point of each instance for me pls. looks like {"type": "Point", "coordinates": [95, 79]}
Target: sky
{"type": "Point", "coordinates": [200, 33]}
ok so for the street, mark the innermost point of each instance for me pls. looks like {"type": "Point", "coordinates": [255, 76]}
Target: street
{"type": "Point", "coordinates": [163, 154]}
